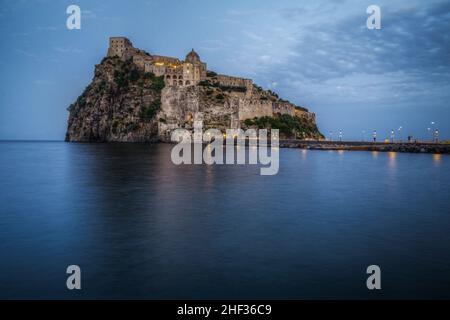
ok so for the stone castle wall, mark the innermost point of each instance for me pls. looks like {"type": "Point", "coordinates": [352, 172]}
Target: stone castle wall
{"type": "Point", "coordinates": [120, 46]}
{"type": "Point", "coordinates": [283, 108]}
{"type": "Point", "coordinates": [306, 115]}
{"type": "Point", "coordinates": [233, 81]}
{"type": "Point", "coordinates": [251, 108]}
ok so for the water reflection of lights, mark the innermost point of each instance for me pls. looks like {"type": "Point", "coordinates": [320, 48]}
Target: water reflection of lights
{"type": "Point", "coordinates": [392, 157]}
{"type": "Point", "coordinates": [341, 151]}
{"type": "Point", "coordinates": [375, 154]}
{"type": "Point", "coordinates": [437, 157]}
{"type": "Point", "coordinates": [304, 153]}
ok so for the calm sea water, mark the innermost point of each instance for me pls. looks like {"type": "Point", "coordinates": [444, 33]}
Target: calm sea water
{"type": "Point", "coordinates": [141, 227]}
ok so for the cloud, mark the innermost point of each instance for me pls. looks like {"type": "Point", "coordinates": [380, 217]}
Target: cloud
{"type": "Point", "coordinates": [41, 82]}
{"type": "Point", "coordinates": [47, 28]}
{"type": "Point", "coordinates": [26, 53]}
{"type": "Point", "coordinates": [88, 14]}
{"type": "Point", "coordinates": [214, 45]}
{"type": "Point", "coordinates": [99, 14]}
{"type": "Point", "coordinates": [325, 53]}
{"type": "Point", "coordinates": [68, 49]}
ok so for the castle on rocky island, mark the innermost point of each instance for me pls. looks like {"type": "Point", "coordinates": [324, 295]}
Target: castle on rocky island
{"type": "Point", "coordinates": [136, 96]}
{"type": "Point", "coordinates": [175, 72]}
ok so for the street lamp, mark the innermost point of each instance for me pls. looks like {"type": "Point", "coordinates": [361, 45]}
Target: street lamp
{"type": "Point", "coordinates": [400, 133]}
{"type": "Point", "coordinates": [436, 136]}
{"type": "Point", "coordinates": [374, 135]}
{"type": "Point", "coordinates": [392, 135]}
{"type": "Point", "coordinates": [432, 132]}
{"type": "Point", "coordinates": [340, 135]}
{"type": "Point", "coordinates": [429, 133]}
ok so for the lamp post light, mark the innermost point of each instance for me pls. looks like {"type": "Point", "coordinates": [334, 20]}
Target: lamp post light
{"type": "Point", "coordinates": [432, 131]}
{"type": "Point", "coordinates": [400, 134]}
{"type": "Point", "coordinates": [374, 135]}
{"type": "Point", "coordinates": [340, 135]}
{"type": "Point", "coordinates": [436, 136]}
{"type": "Point", "coordinates": [430, 134]}
{"type": "Point", "coordinates": [392, 135]}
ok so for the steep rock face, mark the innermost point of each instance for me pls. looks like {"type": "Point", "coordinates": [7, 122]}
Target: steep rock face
{"type": "Point", "coordinates": [180, 106]}
{"type": "Point", "coordinates": [125, 104]}
{"type": "Point", "coordinates": [224, 108]}
{"type": "Point", "coordinates": [120, 104]}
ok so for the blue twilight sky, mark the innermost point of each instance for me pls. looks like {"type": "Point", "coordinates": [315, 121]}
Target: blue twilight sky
{"type": "Point", "coordinates": [318, 54]}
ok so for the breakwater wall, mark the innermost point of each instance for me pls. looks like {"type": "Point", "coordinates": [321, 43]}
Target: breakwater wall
{"type": "Point", "coordinates": [418, 147]}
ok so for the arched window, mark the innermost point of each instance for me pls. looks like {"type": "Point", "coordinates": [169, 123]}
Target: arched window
{"type": "Point", "coordinates": [188, 82]}
{"type": "Point", "coordinates": [180, 82]}
{"type": "Point", "coordinates": [168, 76]}
{"type": "Point", "coordinates": [180, 77]}
{"type": "Point", "coordinates": [174, 82]}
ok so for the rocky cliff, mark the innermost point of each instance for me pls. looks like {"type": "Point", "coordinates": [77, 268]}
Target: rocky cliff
{"type": "Point", "coordinates": [124, 103]}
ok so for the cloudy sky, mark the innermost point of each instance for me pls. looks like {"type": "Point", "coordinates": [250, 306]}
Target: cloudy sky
{"type": "Point", "coordinates": [318, 54]}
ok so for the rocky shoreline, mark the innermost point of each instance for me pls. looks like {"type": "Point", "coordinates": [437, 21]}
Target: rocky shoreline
{"type": "Point", "coordinates": [419, 147]}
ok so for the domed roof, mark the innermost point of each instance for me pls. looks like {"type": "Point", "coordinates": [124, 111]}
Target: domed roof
{"type": "Point", "coordinates": [192, 56]}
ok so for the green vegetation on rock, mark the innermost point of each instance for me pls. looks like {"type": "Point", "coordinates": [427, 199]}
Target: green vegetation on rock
{"type": "Point", "coordinates": [149, 111]}
{"type": "Point", "coordinates": [289, 126]}
{"type": "Point", "coordinates": [121, 102]}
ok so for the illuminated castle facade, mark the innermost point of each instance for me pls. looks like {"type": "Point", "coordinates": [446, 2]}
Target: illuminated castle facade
{"type": "Point", "coordinates": [176, 73]}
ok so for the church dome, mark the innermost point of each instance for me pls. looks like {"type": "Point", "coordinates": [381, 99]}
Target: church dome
{"type": "Point", "coordinates": [192, 57]}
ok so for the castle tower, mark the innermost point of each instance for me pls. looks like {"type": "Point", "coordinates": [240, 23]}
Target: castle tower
{"type": "Point", "coordinates": [120, 47]}
{"type": "Point", "coordinates": [193, 57]}
{"type": "Point", "coordinates": [195, 69]}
